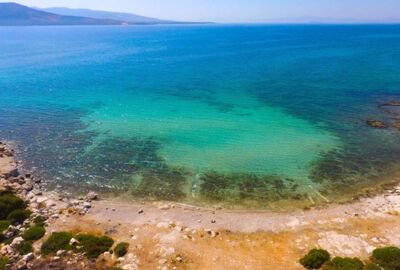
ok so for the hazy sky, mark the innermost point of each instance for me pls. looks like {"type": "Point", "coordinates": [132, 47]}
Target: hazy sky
{"type": "Point", "coordinates": [239, 10]}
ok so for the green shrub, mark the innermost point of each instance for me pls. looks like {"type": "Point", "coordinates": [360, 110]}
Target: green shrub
{"type": "Point", "coordinates": [4, 225]}
{"type": "Point", "coordinates": [121, 249]}
{"type": "Point", "coordinates": [371, 266]}
{"type": "Point", "coordinates": [34, 233]}
{"type": "Point", "coordinates": [315, 259]}
{"type": "Point", "coordinates": [93, 246]}
{"type": "Point", "coordinates": [18, 216]}
{"type": "Point", "coordinates": [8, 203]}
{"type": "Point", "coordinates": [40, 221]}
{"type": "Point", "coordinates": [57, 241]}
{"type": "Point", "coordinates": [25, 247]}
{"type": "Point", "coordinates": [3, 262]}
{"type": "Point", "coordinates": [388, 258]}
{"type": "Point", "coordinates": [339, 263]}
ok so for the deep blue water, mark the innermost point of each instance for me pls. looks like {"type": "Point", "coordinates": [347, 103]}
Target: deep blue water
{"type": "Point", "coordinates": [241, 114]}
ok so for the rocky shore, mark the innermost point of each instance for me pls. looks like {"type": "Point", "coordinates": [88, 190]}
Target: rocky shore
{"type": "Point", "coordinates": [173, 236]}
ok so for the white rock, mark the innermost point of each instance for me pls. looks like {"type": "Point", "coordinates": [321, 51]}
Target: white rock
{"type": "Point", "coordinates": [60, 253]}
{"type": "Point", "coordinates": [73, 242]}
{"type": "Point", "coordinates": [87, 205]}
{"type": "Point", "coordinates": [28, 257]}
{"type": "Point", "coordinates": [16, 242]}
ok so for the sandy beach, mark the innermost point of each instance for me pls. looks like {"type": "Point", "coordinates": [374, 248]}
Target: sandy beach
{"type": "Point", "coordinates": [167, 235]}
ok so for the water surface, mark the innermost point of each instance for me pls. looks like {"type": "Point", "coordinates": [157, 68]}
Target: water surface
{"type": "Point", "coordinates": [240, 115]}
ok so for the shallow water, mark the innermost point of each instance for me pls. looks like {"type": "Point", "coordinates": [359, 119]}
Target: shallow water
{"type": "Point", "coordinates": [228, 114]}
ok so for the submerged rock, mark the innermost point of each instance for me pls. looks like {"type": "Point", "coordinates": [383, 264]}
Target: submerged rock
{"type": "Point", "coordinates": [390, 104]}
{"type": "Point", "coordinates": [376, 124]}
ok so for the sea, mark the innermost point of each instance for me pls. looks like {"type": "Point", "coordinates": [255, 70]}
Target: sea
{"type": "Point", "coordinates": [246, 116]}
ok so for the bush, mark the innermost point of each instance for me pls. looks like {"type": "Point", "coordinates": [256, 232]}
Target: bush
{"type": "Point", "coordinates": [18, 216]}
{"type": "Point", "coordinates": [3, 262]}
{"type": "Point", "coordinates": [93, 246]}
{"type": "Point", "coordinates": [34, 233]}
{"type": "Point", "coordinates": [388, 258]}
{"type": "Point", "coordinates": [8, 203]}
{"type": "Point", "coordinates": [40, 221]}
{"type": "Point", "coordinates": [25, 247]}
{"type": "Point", "coordinates": [57, 241]}
{"type": "Point", "coordinates": [339, 263]}
{"type": "Point", "coordinates": [315, 259]}
{"type": "Point", "coordinates": [371, 266]}
{"type": "Point", "coordinates": [4, 225]}
{"type": "Point", "coordinates": [121, 249]}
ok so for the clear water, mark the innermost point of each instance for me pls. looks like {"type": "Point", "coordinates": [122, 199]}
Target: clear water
{"type": "Point", "coordinates": [245, 115]}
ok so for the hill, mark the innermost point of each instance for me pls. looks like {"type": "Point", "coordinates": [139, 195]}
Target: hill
{"type": "Point", "coordinates": [106, 15]}
{"type": "Point", "coordinates": [16, 14]}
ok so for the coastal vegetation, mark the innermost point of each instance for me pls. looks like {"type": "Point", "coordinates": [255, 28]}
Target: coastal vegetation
{"type": "Point", "coordinates": [315, 259]}
{"type": "Point", "coordinates": [92, 246]}
{"type": "Point", "coordinates": [3, 262]}
{"type": "Point", "coordinates": [9, 203]}
{"type": "Point", "coordinates": [34, 233]}
{"type": "Point", "coordinates": [121, 249]}
{"type": "Point", "coordinates": [386, 258]}
{"type": "Point", "coordinates": [57, 241]}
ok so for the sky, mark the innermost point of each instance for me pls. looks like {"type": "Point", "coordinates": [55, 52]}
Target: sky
{"type": "Point", "coordinates": [251, 11]}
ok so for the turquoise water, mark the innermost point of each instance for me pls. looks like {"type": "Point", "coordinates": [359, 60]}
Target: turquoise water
{"type": "Point", "coordinates": [222, 114]}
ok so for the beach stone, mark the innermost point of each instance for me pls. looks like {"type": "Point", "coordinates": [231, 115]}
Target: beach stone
{"type": "Point", "coordinates": [16, 242]}
{"type": "Point", "coordinates": [87, 205]}
{"type": "Point", "coordinates": [28, 257]}
{"type": "Point", "coordinates": [60, 253]}
{"type": "Point", "coordinates": [92, 196]}
{"type": "Point", "coordinates": [165, 207]}
{"type": "Point", "coordinates": [73, 242]}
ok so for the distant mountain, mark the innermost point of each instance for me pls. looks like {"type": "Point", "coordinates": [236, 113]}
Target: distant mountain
{"type": "Point", "coordinates": [118, 16]}
{"type": "Point", "coordinates": [16, 14]}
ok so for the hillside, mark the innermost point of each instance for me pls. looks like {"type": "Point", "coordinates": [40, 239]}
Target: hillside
{"type": "Point", "coordinates": [96, 14]}
{"type": "Point", "coordinates": [19, 15]}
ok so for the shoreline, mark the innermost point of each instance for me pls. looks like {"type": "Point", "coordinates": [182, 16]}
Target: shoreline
{"type": "Point", "coordinates": [217, 238]}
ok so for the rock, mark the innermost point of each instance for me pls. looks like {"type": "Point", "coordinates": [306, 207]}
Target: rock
{"type": "Point", "coordinates": [87, 205]}
{"type": "Point", "coordinates": [213, 221]}
{"type": "Point", "coordinates": [60, 253]}
{"type": "Point", "coordinates": [73, 242]}
{"type": "Point", "coordinates": [376, 124]}
{"type": "Point", "coordinates": [6, 250]}
{"type": "Point", "coordinates": [10, 232]}
{"type": "Point", "coordinates": [179, 258]}
{"type": "Point", "coordinates": [21, 265]}
{"type": "Point", "coordinates": [50, 203]}
{"type": "Point", "coordinates": [141, 211]}
{"type": "Point", "coordinates": [165, 207]}
{"type": "Point", "coordinates": [390, 104]}
{"type": "Point", "coordinates": [91, 196]}
{"type": "Point", "coordinates": [41, 199]}
{"type": "Point", "coordinates": [28, 257]}
{"type": "Point", "coordinates": [16, 242]}
{"type": "Point", "coordinates": [212, 233]}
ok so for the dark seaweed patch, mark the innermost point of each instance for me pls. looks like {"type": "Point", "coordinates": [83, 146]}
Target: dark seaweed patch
{"type": "Point", "coordinates": [166, 184]}
{"type": "Point", "coordinates": [238, 188]}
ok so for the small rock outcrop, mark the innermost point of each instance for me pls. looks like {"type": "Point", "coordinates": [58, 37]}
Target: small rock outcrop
{"type": "Point", "coordinates": [376, 124]}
